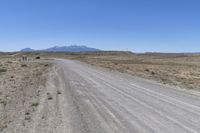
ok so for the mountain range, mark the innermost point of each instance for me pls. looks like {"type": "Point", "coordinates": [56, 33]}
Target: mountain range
{"type": "Point", "coordinates": [72, 48]}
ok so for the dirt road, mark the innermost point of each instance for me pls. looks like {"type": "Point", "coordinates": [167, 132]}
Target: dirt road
{"type": "Point", "coordinates": [98, 100]}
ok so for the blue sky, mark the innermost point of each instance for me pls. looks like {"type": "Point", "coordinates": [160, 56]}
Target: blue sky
{"type": "Point", "coordinates": [137, 25]}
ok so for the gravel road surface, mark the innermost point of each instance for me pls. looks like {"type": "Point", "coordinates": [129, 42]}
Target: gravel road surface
{"type": "Point", "coordinates": [98, 100]}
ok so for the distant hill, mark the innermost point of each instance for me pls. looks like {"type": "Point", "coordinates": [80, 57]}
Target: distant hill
{"type": "Point", "coordinates": [72, 48]}
{"type": "Point", "coordinates": [27, 50]}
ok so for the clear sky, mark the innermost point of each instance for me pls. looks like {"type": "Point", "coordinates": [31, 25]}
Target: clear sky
{"type": "Point", "coordinates": [137, 25]}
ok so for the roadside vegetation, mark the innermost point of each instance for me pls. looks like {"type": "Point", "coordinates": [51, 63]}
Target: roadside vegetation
{"type": "Point", "coordinates": [182, 70]}
{"type": "Point", "coordinates": [21, 87]}
{"type": "Point", "coordinates": [26, 100]}
{"type": "Point", "coordinates": [174, 69]}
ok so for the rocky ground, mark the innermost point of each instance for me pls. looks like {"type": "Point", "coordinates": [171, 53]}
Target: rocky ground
{"type": "Point", "coordinates": [173, 69]}
{"type": "Point", "coordinates": [24, 98]}
{"type": "Point", "coordinates": [177, 69]}
{"type": "Point", "coordinates": [42, 96]}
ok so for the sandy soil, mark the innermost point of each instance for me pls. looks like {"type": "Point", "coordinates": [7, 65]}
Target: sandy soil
{"type": "Point", "coordinates": [41, 97]}
{"type": "Point", "coordinates": [173, 69]}
{"type": "Point", "coordinates": [181, 70]}
{"type": "Point", "coordinates": [97, 100]}
{"type": "Point", "coordinates": [23, 95]}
